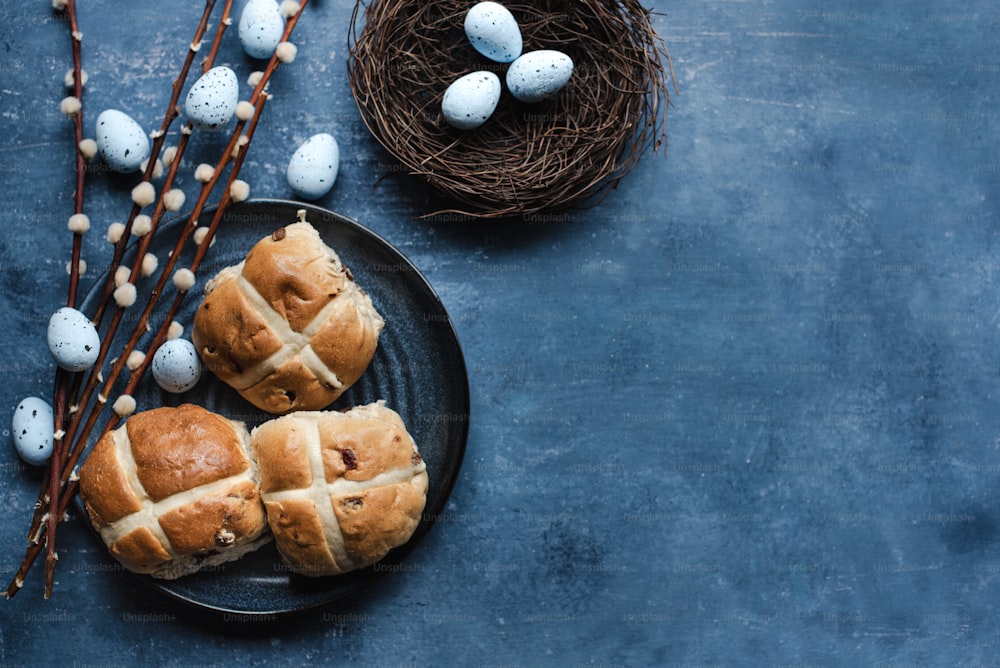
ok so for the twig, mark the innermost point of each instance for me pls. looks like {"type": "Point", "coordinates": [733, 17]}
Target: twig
{"type": "Point", "coordinates": [46, 508]}
{"type": "Point", "coordinates": [235, 151]}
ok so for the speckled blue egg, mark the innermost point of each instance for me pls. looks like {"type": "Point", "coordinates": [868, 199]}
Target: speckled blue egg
{"type": "Point", "coordinates": [73, 340]}
{"type": "Point", "coordinates": [212, 100]}
{"type": "Point", "coordinates": [261, 27]}
{"type": "Point", "coordinates": [176, 367]}
{"type": "Point", "coordinates": [33, 429]}
{"type": "Point", "coordinates": [121, 142]}
{"type": "Point", "coordinates": [470, 100]}
{"type": "Point", "coordinates": [493, 31]}
{"type": "Point", "coordinates": [539, 75]}
{"type": "Point", "coordinates": [313, 167]}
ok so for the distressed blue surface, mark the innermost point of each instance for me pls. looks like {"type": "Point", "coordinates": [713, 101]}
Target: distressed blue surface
{"type": "Point", "coordinates": [741, 413]}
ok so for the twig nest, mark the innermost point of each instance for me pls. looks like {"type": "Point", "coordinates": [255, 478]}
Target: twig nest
{"type": "Point", "coordinates": [33, 427]}
{"type": "Point", "coordinates": [73, 340]}
{"type": "Point", "coordinates": [176, 366]}
{"type": "Point", "coordinates": [260, 29]}
{"type": "Point", "coordinates": [313, 168]}
{"type": "Point", "coordinates": [211, 101]}
{"type": "Point", "coordinates": [470, 100]}
{"type": "Point", "coordinates": [563, 151]}
{"type": "Point", "coordinates": [493, 31]}
{"type": "Point", "coordinates": [120, 140]}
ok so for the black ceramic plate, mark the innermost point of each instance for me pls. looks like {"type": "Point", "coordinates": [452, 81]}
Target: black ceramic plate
{"type": "Point", "coordinates": [418, 369]}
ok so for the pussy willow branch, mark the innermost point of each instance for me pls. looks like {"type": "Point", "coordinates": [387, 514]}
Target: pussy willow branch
{"type": "Point", "coordinates": [63, 379]}
{"type": "Point", "coordinates": [159, 137]}
{"type": "Point", "coordinates": [258, 99]}
{"type": "Point", "coordinates": [71, 450]}
{"type": "Point", "coordinates": [144, 242]}
{"type": "Point", "coordinates": [48, 496]}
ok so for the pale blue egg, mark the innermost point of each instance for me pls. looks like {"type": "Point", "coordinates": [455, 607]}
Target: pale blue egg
{"type": "Point", "coordinates": [73, 340]}
{"type": "Point", "coordinates": [121, 141]}
{"type": "Point", "coordinates": [33, 428]}
{"type": "Point", "coordinates": [539, 75]}
{"type": "Point", "coordinates": [176, 366]}
{"type": "Point", "coordinates": [212, 99]}
{"type": "Point", "coordinates": [493, 31]}
{"type": "Point", "coordinates": [313, 168]}
{"type": "Point", "coordinates": [261, 27]}
{"type": "Point", "coordinates": [470, 100]}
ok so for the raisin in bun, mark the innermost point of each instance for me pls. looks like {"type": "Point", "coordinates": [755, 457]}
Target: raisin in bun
{"type": "Point", "coordinates": [341, 488]}
{"type": "Point", "coordinates": [288, 327]}
{"type": "Point", "coordinates": [174, 490]}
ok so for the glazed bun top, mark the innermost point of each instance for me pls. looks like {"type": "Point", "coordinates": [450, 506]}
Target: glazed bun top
{"type": "Point", "coordinates": [288, 327]}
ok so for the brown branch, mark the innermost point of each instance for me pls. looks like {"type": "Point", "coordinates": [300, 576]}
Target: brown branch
{"type": "Point", "coordinates": [48, 496]}
{"type": "Point", "coordinates": [235, 151]}
{"type": "Point", "coordinates": [224, 23]}
{"type": "Point", "coordinates": [159, 137]}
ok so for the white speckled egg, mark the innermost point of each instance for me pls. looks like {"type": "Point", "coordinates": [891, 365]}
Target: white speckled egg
{"type": "Point", "coordinates": [73, 340]}
{"type": "Point", "coordinates": [470, 100]}
{"type": "Point", "coordinates": [313, 167]}
{"type": "Point", "coordinates": [493, 31]}
{"type": "Point", "coordinates": [261, 27]}
{"type": "Point", "coordinates": [121, 141]}
{"type": "Point", "coordinates": [176, 366]}
{"type": "Point", "coordinates": [538, 75]}
{"type": "Point", "coordinates": [212, 100]}
{"type": "Point", "coordinates": [33, 429]}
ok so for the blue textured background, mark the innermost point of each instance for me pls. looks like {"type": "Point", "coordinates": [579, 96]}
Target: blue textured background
{"type": "Point", "coordinates": [742, 413]}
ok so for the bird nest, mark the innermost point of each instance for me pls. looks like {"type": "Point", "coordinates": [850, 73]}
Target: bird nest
{"type": "Point", "coordinates": [527, 158]}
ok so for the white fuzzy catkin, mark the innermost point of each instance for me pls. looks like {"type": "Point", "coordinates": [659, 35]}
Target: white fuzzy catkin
{"type": "Point", "coordinates": [184, 279]}
{"type": "Point", "coordinates": [70, 79]}
{"type": "Point", "coordinates": [169, 153]}
{"type": "Point", "coordinates": [70, 106]}
{"type": "Point", "coordinates": [157, 167]}
{"type": "Point", "coordinates": [286, 52]}
{"type": "Point", "coordinates": [88, 147]}
{"type": "Point", "coordinates": [142, 225]}
{"type": "Point", "coordinates": [242, 141]}
{"type": "Point", "coordinates": [144, 194]}
{"type": "Point", "coordinates": [125, 295]}
{"type": "Point", "coordinates": [239, 190]}
{"type": "Point", "coordinates": [78, 223]}
{"type": "Point", "coordinates": [175, 330]}
{"type": "Point", "coordinates": [173, 199]}
{"type": "Point", "coordinates": [115, 232]}
{"type": "Point", "coordinates": [199, 236]}
{"type": "Point", "coordinates": [124, 405]}
{"type": "Point", "coordinates": [244, 110]}
{"type": "Point", "coordinates": [135, 360]}
{"type": "Point", "coordinates": [82, 267]}
{"type": "Point", "coordinates": [254, 79]}
{"type": "Point", "coordinates": [59, 5]}
{"type": "Point", "coordinates": [149, 264]}
{"type": "Point", "coordinates": [204, 173]}
{"type": "Point", "coordinates": [289, 8]}
{"type": "Point", "coordinates": [122, 274]}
